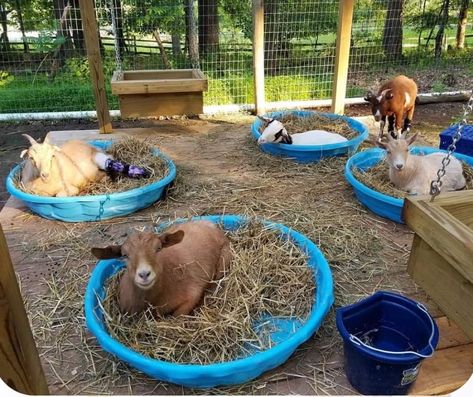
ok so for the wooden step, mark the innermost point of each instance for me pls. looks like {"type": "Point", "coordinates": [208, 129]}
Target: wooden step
{"type": "Point", "coordinates": [452, 364]}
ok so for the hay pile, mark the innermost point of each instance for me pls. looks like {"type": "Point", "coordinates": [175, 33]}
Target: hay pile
{"type": "Point", "coordinates": [132, 151]}
{"type": "Point", "coordinates": [295, 124]}
{"type": "Point", "coordinates": [377, 178]}
{"type": "Point", "coordinates": [268, 275]}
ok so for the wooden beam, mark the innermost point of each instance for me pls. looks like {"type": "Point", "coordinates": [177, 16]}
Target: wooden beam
{"type": "Point", "coordinates": [450, 334]}
{"type": "Point", "coordinates": [440, 229]}
{"type": "Point", "coordinates": [342, 56]}
{"type": "Point", "coordinates": [20, 364]}
{"type": "Point", "coordinates": [258, 55]}
{"type": "Point", "coordinates": [445, 372]}
{"type": "Point", "coordinates": [89, 25]}
{"type": "Point", "coordinates": [447, 287]}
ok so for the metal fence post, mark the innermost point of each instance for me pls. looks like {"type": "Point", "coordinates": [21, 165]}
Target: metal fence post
{"type": "Point", "coordinates": [21, 368]}
{"type": "Point", "coordinates": [258, 55]}
{"type": "Point", "coordinates": [89, 24]}
{"type": "Point", "coordinates": [342, 56]}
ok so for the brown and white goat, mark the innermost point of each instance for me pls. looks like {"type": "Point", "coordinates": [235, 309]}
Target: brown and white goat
{"type": "Point", "coordinates": [413, 173]}
{"type": "Point", "coordinates": [170, 271]}
{"type": "Point", "coordinates": [394, 99]}
{"type": "Point", "coordinates": [59, 171]}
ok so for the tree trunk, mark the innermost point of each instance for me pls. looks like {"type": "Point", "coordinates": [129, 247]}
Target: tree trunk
{"type": "Point", "coordinates": [276, 45]}
{"type": "Point", "coordinates": [119, 24]}
{"type": "Point", "coordinates": [164, 56]}
{"type": "Point", "coordinates": [3, 21]}
{"type": "Point", "coordinates": [441, 32]}
{"type": "Point", "coordinates": [392, 33]}
{"type": "Point", "coordinates": [59, 54]}
{"type": "Point", "coordinates": [208, 26]}
{"type": "Point", "coordinates": [176, 44]}
{"type": "Point", "coordinates": [76, 28]}
{"type": "Point", "coordinates": [462, 21]}
{"type": "Point", "coordinates": [191, 34]}
{"type": "Point", "coordinates": [22, 25]}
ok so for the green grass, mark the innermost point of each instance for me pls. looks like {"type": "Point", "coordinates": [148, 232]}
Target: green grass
{"type": "Point", "coordinates": [230, 79]}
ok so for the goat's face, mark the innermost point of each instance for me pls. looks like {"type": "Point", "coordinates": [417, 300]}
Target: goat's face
{"type": "Point", "coordinates": [273, 132]}
{"type": "Point", "coordinates": [139, 251]}
{"type": "Point", "coordinates": [41, 155]}
{"type": "Point", "coordinates": [379, 103]}
{"type": "Point", "coordinates": [397, 150]}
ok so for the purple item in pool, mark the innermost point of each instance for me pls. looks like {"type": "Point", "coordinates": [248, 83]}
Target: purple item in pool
{"type": "Point", "coordinates": [131, 171]}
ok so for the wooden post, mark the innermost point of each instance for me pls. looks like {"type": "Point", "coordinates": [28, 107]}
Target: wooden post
{"type": "Point", "coordinates": [342, 56]}
{"type": "Point", "coordinates": [258, 55]}
{"type": "Point", "coordinates": [89, 25]}
{"type": "Point", "coordinates": [20, 365]}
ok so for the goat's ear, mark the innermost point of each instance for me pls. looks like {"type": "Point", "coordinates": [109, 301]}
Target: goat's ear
{"type": "Point", "coordinates": [112, 251]}
{"type": "Point", "coordinates": [168, 239]}
{"type": "Point", "coordinates": [30, 139]}
{"type": "Point", "coordinates": [23, 153]}
{"type": "Point", "coordinates": [46, 140]}
{"type": "Point", "coordinates": [411, 139]}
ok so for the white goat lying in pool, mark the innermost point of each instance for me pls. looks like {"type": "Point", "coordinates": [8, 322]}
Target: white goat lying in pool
{"type": "Point", "coordinates": [413, 173]}
{"type": "Point", "coordinates": [60, 171]}
{"type": "Point", "coordinates": [275, 132]}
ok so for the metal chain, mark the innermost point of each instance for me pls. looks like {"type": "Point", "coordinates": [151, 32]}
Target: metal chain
{"type": "Point", "coordinates": [101, 208]}
{"type": "Point", "coordinates": [118, 58]}
{"type": "Point", "coordinates": [436, 185]}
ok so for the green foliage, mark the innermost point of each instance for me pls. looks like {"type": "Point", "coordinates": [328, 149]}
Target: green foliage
{"type": "Point", "coordinates": [147, 16]}
{"type": "Point", "coordinates": [47, 41]}
{"type": "Point", "coordinates": [5, 78]}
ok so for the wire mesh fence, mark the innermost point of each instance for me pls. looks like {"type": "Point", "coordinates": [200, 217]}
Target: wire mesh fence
{"type": "Point", "coordinates": [43, 63]}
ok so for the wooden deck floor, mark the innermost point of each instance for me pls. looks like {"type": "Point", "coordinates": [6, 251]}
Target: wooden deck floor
{"type": "Point", "coordinates": [451, 366]}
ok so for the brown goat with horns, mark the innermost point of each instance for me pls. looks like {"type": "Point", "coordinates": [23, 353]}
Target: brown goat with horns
{"type": "Point", "coordinates": [394, 99]}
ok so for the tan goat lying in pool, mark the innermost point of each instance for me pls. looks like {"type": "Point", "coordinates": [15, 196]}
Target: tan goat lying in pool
{"type": "Point", "coordinates": [63, 171]}
{"type": "Point", "coordinates": [170, 271]}
{"type": "Point", "coordinates": [413, 173]}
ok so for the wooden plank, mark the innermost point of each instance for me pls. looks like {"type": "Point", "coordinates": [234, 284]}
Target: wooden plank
{"type": "Point", "coordinates": [258, 55]}
{"type": "Point", "coordinates": [89, 25]}
{"type": "Point", "coordinates": [443, 283]}
{"type": "Point", "coordinates": [450, 334]}
{"type": "Point", "coordinates": [125, 87]}
{"type": "Point", "coordinates": [342, 55]}
{"type": "Point", "coordinates": [452, 239]}
{"type": "Point", "coordinates": [157, 74]}
{"type": "Point", "coordinates": [462, 211]}
{"type": "Point", "coordinates": [445, 372]}
{"type": "Point", "coordinates": [21, 368]}
{"type": "Point", "coordinates": [142, 105]}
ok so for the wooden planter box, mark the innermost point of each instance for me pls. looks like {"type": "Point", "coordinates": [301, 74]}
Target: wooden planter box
{"type": "Point", "coordinates": [441, 260]}
{"type": "Point", "coordinates": [152, 93]}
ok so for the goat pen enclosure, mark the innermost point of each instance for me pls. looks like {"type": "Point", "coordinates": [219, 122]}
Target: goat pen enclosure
{"type": "Point", "coordinates": [44, 69]}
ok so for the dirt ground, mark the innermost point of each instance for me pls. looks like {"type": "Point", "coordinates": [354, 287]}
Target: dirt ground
{"type": "Point", "coordinates": [220, 170]}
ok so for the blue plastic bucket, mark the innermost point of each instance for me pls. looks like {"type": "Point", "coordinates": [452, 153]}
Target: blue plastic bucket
{"type": "Point", "coordinates": [386, 336]}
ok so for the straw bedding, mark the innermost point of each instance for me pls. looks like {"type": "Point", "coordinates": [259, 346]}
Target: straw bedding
{"type": "Point", "coordinates": [295, 124]}
{"type": "Point", "coordinates": [267, 276]}
{"type": "Point", "coordinates": [232, 176]}
{"type": "Point", "coordinates": [377, 178]}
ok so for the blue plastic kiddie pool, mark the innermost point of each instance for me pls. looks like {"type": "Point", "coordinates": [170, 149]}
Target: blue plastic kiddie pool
{"type": "Point", "coordinates": [311, 153]}
{"type": "Point", "coordinates": [381, 204]}
{"type": "Point", "coordinates": [94, 207]}
{"type": "Point", "coordinates": [287, 336]}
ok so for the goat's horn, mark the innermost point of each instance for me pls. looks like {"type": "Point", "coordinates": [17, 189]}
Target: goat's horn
{"type": "Point", "coordinates": [30, 139]}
